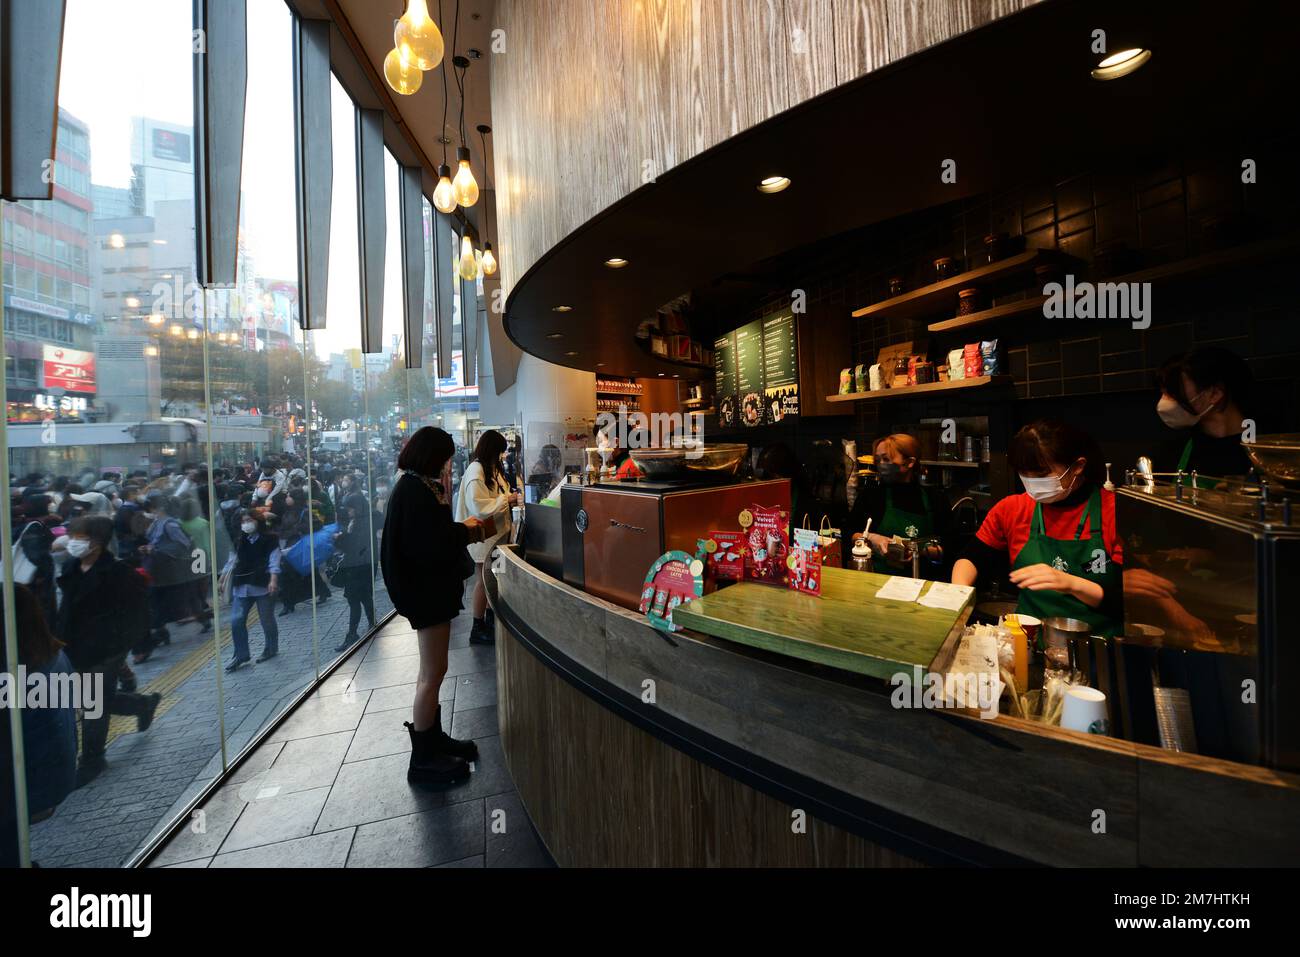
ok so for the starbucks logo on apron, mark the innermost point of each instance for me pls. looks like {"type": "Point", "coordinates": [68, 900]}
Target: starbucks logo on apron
{"type": "Point", "coordinates": [912, 531]}
{"type": "Point", "coordinates": [1060, 564]}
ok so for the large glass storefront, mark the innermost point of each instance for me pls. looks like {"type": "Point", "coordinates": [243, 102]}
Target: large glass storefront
{"type": "Point", "coordinates": [155, 419]}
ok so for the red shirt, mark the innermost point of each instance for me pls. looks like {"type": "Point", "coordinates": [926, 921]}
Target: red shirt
{"type": "Point", "coordinates": [1006, 527]}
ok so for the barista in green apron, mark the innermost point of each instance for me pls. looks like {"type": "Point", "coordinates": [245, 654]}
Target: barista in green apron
{"type": "Point", "coordinates": [899, 521]}
{"type": "Point", "coordinates": [1081, 557]}
{"type": "Point", "coordinates": [1207, 392]}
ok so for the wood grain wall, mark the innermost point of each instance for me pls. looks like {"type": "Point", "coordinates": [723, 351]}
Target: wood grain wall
{"type": "Point", "coordinates": [591, 99]}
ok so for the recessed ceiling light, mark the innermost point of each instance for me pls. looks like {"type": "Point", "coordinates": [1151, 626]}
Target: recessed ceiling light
{"type": "Point", "coordinates": [1121, 64]}
{"type": "Point", "coordinates": [616, 263]}
{"type": "Point", "coordinates": [570, 353]}
{"type": "Point", "coordinates": [561, 309]}
{"type": "Point", "coordinates": [773, 184]}
{"type": "Point", "coordinates": [555, 335]}
{"type": "Point", "coordinates": [661, 375]}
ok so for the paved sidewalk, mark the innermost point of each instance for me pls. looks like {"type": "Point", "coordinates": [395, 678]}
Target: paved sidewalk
{"type": "Point", "coordinates": [329, 788]}
{"type": "Point", "coordinates": [151, 776]}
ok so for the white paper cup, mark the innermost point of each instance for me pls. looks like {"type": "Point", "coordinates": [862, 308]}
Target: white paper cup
{"type": "Point", "coordinates": [1085, 710]}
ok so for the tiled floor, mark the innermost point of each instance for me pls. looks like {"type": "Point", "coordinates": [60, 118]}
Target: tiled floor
{"type": "Point", "coordinates": [328, 788]}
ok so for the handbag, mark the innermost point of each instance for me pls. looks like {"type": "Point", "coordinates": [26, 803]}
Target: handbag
{"type": "Point", "coordinates": [226, 587]}
{"type": "Point", "coordinates": [24, 567]}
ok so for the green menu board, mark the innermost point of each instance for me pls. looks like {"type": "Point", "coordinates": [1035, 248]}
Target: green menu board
{"type": "Point", "coordinates": [724, 379]}
{"type": "Point", "coordinates": [780, 367]}
{"type": "Point", "coordinates": [749, 372]}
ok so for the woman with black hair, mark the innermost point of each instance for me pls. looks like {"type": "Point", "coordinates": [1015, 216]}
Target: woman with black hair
{"type": "Point", "coordinates": [254, 567]}
{"type": "Point", "coordinates": [423, 560]}
{"type": "Point", "coordinates": [1059, 534]}
{"type": "Point", "coordinates": [485, 492]}
{"type": "Point", "coordinates": [1206, 395]}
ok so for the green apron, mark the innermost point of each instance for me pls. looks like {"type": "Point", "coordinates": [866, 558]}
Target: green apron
{"type": "Point", "coordinates": [898, 521]}
{"type": "Point", "coordinates": [1076, 557]}
{"type": "Point", "coordinates": [1182, 467]}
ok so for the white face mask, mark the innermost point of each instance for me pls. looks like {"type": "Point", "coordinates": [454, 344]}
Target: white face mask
{"type": "Point", "coordinates": [1048, 489]}
{"type": "Point", "coordinates": [78, 547]}
{"type": "Point", "coordinates": [249, 527]}
{"type": "Point", "coordinates": [1175, 416]}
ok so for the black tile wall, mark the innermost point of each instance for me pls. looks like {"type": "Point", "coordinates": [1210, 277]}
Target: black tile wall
{"type": "Point", "coordinates": [1162, 210]}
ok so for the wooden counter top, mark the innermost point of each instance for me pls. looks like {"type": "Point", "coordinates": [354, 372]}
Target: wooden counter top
{"type": "Point", "coordinates": [848, 627]}
{"type": "Point", "coordinates": [831, 742]}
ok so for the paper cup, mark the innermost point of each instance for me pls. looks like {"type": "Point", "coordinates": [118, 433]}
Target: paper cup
{"type": "Point", "coordinates": [1030, 625]}
{"type": "Point", "coordinates": [1084, 710]}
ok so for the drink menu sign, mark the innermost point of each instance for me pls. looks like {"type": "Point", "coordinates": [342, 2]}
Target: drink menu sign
{"type": "Point", "coordinates": [756, 372]}
{"type": "Point", "coordinates": [724, 379]}
{"type": "Point", "coordinates": [780, 367]}
{"type": "Point", "coordinates": [749, 373]}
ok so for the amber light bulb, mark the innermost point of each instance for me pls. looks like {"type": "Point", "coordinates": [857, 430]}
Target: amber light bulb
{"type": "Point", "coordinates": [464, 185]}
{"type": "Point", "coordinates": [401, 72]}
{"type": "Point", "coordinates": [420, 35]}
{"type": "Point", "coordinates": [489, 260]}
{"type": "Point", "coordinates": [468, 264]}
{"type": "Point", "coordinates": [444, 197]}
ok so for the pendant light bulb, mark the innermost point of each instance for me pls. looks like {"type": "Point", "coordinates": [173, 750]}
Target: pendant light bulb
{"type": "Point", "coordinates": [444, 197]}
{"type": "Point", "coordinates": [468, 264]}
{"type": "Point", "coordinates": [401, 72]}
{"type": "Point", "coordinates": [419, 35]}
{"type": "Point", "coordinates": [464, 184]}
{"type": "Point", "coordinates": [489, 261]}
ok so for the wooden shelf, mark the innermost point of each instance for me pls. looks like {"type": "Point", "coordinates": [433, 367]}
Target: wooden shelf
{"type": "Point", "coordinates": [1004, 311]}
{"type": "Point", "coordinates": [1211, 262]}
{"type": "Point", "coordinates": [904, 392]}
{"type": "Point", "coordinates": [950, 464]}
{"type": "Point", "coordinates": [932, 298]}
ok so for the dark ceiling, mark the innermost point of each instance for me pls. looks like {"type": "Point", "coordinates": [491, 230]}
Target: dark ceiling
{"type": "Point", "coordinates": [1010, 101]}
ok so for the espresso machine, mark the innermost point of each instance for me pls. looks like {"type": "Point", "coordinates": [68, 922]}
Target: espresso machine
{"type": "Point", "coordinates": [1211, 579]}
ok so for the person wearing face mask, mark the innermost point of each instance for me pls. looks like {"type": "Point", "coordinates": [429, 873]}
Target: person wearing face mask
{"type": "Point", "coordinates": [899, 505]}
{"type": "Point", "coordinates": [1205, 396]}
{"type": "Point", "coordinates": [423, 561]}
{"type": "Point", "coordinates": [104, 613]}
{"type": "Point", "coordinates": [254, 566]}
{"type": "Point", "coordinates": [1059, 535]}
{"type": "Point", "coordinates": [485, 493]}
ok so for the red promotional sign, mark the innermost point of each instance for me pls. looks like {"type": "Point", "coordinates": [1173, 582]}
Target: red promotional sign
{"type": "Point", "coordinates": [70, 369]}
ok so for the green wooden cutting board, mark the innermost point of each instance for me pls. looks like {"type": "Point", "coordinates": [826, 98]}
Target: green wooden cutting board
{"type": "Point", "coordinates": [848, 627]}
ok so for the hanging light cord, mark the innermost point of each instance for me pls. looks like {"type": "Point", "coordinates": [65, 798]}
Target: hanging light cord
{"type": "Point", "coordinates": [443, 132]}
{"type": "Point", "coordinates": [460, 76]}
{"type": "Point", "coordinates": [487, 181]}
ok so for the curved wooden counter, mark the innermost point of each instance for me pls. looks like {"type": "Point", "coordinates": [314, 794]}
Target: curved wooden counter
{"type": "Point", "coordinates": [633, 748]}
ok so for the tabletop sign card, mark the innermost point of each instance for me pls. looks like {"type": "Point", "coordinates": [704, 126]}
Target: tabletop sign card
{"type": "Point", "coordinates": [780, 367]}
{"type": "Point", "coordinates": [726, 551]}
{"type": "Point", "coordinates": [805, 562]}
{"type": "Point", "coordinates": [765, 557]}
{"type": "Point", "coordinates": [674, 579]}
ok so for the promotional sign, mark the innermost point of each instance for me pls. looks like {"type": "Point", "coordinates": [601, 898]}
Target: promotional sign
{"type": "Point", "coordinates": [766, 529]}
{"type": "Point", "coordinates": [674, 579]}
{"type": "Point", "coordinates": [726, 551]}
{"type": "Point", "coordinates": [805, 562]}
{"type": "Point", "coordinates": [780, 367]}
{"type": "Point", "coordinates": [70, 369]}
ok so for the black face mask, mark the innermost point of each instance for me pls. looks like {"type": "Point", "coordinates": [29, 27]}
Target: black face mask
{"type": "Point", "coordinates": [890, 472]}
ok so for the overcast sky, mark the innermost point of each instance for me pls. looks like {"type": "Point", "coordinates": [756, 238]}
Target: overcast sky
{"type": "Point", "coordinates": [127, 58]}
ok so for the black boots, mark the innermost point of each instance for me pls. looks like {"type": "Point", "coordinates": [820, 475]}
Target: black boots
{"type": "Point", "coordinates": [465, 750]}
{"type": "Point", "coordinates": [430, 764]}
{"type": "Point", "coordinates": [483, 631]}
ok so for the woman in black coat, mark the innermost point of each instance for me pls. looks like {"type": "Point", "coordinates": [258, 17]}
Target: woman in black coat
{"type": "Point", "coordinates": [424, 563]}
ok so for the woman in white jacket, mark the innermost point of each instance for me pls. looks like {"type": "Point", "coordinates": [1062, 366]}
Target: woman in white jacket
{"type": "Point", "coordinates": [485, 493]}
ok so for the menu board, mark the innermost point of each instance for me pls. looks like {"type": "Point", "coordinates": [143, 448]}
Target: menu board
{"type": "Point", "coordinates": [724, 379]}
{"type": "Point", "coordinates": [780, 367]}
{"type": "Point", "coordinates": [749, 373]}
{"type": "Point", "coordinates": [756, 372]}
